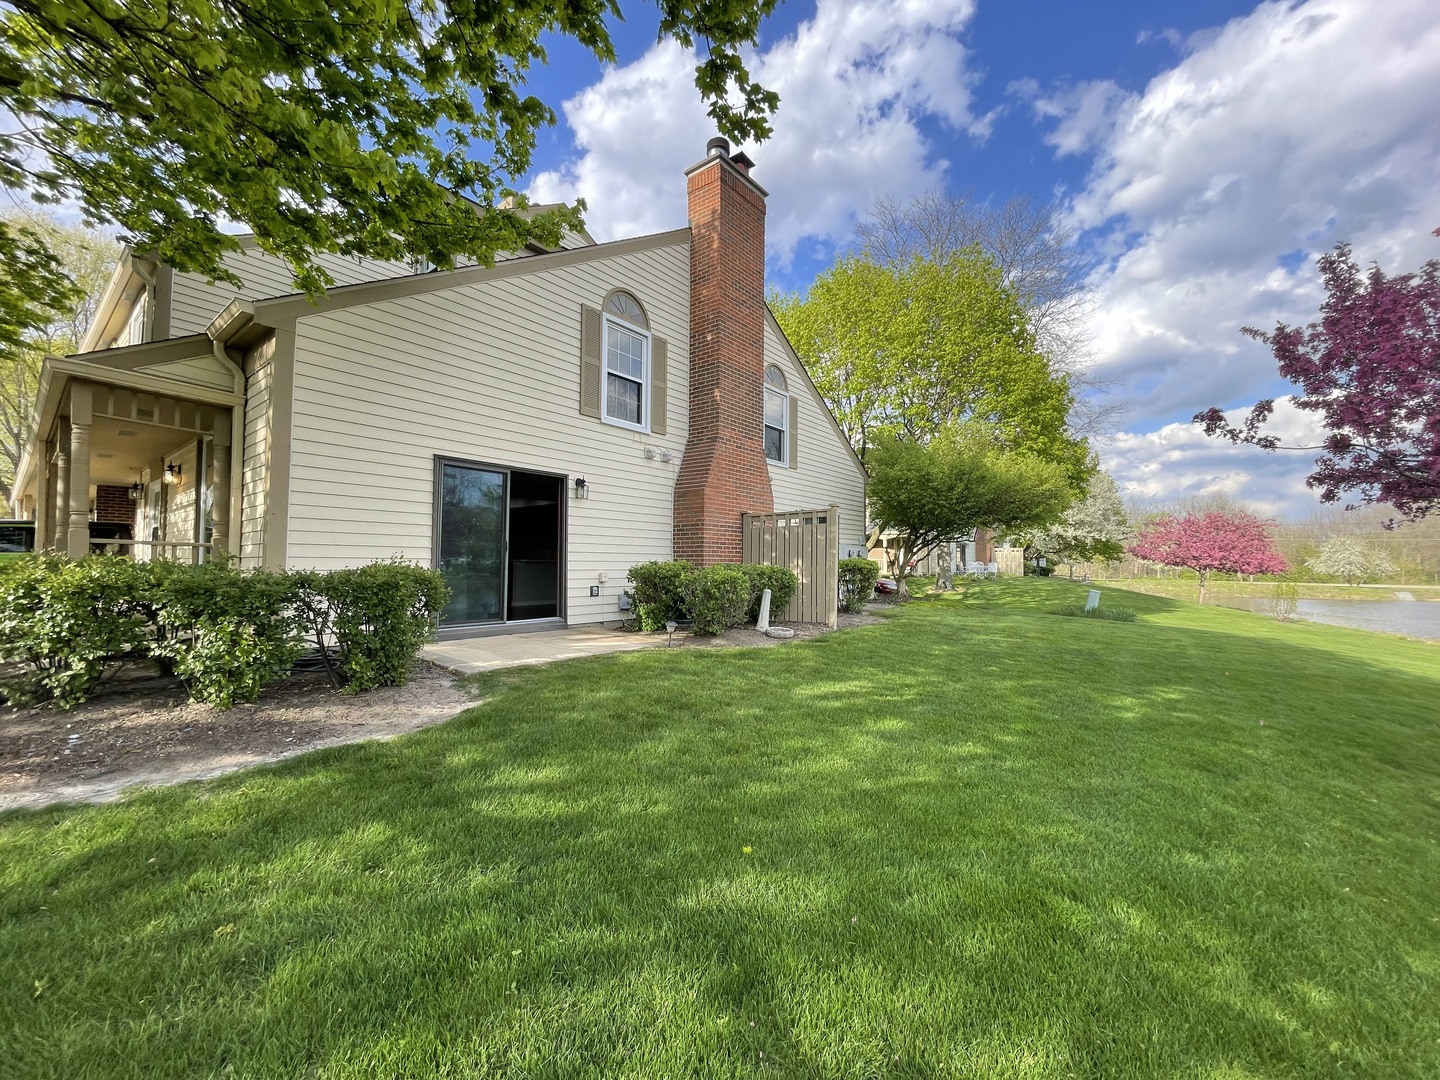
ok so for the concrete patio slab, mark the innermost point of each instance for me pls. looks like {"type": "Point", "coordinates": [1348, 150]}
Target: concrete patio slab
{"type": "Point", "coordinates": [466, 656]}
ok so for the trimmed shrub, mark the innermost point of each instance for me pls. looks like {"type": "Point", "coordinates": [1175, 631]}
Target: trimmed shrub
{"type": "Point", "coordinates": [857, 583]}
{"type": "Point", "coordinates": [380, 617]}
{"type": "Point", "coordinates": [225, 633]}
{"type": "Point", "coordinates": [659, 592]}
{"type": "Point", "coordinates": [1108, 614]}
{"type": "Point", "coordinates": [62, 621]}
{"type": "Point", "coordinates": [717, 597]}
{"type": "Point", "coordinates": [780, 580]}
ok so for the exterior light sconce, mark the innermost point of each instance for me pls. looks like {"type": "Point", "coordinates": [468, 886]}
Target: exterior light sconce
{"type": "Point", "coordinates": [582, 489]}
{"type": "Point", "coordinates": [137, 491]}
{"type": "Point", "coordinates": [172, 473]}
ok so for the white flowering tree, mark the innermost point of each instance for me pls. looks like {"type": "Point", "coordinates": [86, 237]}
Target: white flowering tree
{"type": "Point", "coordinates": [1092, 529]}
{"type": "Point", "coordinates": [1351, 559]}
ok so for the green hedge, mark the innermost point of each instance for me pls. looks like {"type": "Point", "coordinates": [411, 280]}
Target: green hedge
{"type": "Point", "coordinates": [226, 633]}
{"type": "Point", "coordinates": [857, 583]}
{"type": "Point", "coordinates": [714, 598]}
{"type": "Point", "coordinates": [717, 598]}
{"type": "Point", "coordinates": [659, 592]}
{"type": "Point", "coordinates": [780, 580]}
{"type": "Point", "coordinates": [380, 616]}
{"type": "Point", "coordinates": [62, 622]}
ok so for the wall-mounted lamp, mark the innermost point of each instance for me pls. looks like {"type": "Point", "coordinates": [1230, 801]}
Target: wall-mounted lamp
{"type": "Point", "coordinates": [137, 491]}
{"type": "Point", "coordinates": [582, 489]}
{"type": "Point", "coordinates": [172, 473]}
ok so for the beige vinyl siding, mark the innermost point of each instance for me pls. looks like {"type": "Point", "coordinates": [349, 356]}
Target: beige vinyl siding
{"type": "Point", "coordinates": [256, 455]}
{"type": "Point", "coordinates": [486, 372]}
{"type": "Point", "coordinates": [826, 473]}
{"type": "Point", "coordinates": [195, 301]}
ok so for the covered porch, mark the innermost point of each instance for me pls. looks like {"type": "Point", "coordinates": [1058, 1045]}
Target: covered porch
{"type": "Point", "coordinates": [130, 451]}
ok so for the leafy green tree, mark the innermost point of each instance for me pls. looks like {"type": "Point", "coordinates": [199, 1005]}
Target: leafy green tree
{"type": "Point", "coordinates": [1351, 559]}
{"type": "Point", "coordinates": [385, 129]}
{"type": "Point", "coordinates": [908, 349]}
{"type": "Point", "coordinates": [1094, 528]}
{"type": "Point", "coordinates": [81, 260]}
{"type": "Point", "coordinates": [963, 478]}
{"type": "Point", "coordinates": [1037, 255]}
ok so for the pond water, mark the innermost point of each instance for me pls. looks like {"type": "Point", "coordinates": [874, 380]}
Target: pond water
{"type": "Point", "coordinates": [1416, 619]}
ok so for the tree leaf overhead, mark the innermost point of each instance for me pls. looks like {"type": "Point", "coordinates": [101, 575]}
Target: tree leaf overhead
{"type": "Point", "coordinates": [391, 129]}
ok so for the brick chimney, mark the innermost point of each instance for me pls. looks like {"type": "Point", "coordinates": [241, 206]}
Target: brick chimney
{"type": "Point", "coordinates": [724, 473]}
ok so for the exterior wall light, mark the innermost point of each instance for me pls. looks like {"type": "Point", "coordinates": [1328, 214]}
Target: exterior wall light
{"type": "Point", "coordinates": [172, 473]}
{"type": "Point", "coordinates": [137, 491]}
{"type": "Point", "coordinates": [582, 489]}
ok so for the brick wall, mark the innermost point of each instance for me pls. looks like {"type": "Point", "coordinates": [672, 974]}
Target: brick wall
{"type": "Point", "coordinates": [114, 504]}
{"type": "Point", "coordinates": [723, 473]}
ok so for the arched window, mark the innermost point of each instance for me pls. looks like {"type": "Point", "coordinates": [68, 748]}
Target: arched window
{"type": "Point", "coordinates": [624, 306]}
{"type": "Point", "coordinates": [627, 361]}
{"type": "Point", "coordinates": [777, 416]}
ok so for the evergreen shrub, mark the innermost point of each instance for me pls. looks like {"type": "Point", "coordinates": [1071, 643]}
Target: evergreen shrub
{"type": "Point", "coordinates": [857, 583]}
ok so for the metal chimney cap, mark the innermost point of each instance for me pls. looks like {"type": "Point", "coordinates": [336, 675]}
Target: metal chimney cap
{"type": "Point", "coordinates": [718, 147]}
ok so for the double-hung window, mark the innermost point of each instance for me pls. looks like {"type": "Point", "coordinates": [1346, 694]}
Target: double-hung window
{"type": "Point", "coordinates": [627, 363]}
{"type": "Point", "coordinates": [777, 416]}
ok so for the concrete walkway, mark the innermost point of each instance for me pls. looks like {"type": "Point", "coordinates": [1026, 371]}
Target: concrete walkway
{"type": "Point", "coordinates": [466, 656]}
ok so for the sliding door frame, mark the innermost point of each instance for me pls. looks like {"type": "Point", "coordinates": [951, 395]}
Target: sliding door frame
{"type": "Point", "coordinates": [562, 548]}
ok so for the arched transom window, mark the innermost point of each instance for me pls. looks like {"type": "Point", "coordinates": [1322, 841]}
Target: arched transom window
{"type": "Point", "coordinates": [777, 416]}
{"type": "Point", "coordinates": [624, 306]}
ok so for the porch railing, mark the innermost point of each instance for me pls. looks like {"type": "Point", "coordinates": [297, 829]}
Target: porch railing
{"type": "Point", "coordinates": [173, 550]}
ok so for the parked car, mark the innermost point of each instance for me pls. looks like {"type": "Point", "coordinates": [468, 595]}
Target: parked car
{"type": "Point", "coordinates": [887, 585]}
{"type": "Point", "coordinates": [17, 536]}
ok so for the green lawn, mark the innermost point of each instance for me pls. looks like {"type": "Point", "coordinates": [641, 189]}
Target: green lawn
{"type": "Point", "coordinates": [979, 840]}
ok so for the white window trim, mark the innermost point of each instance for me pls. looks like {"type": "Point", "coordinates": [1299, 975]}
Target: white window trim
{"type": "Point", "coordinates": [784, 458]}
{"type": "Point", "coordinates": [605, 417]}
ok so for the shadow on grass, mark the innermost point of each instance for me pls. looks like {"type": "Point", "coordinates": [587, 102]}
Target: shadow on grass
{"type": "Point", "coordinates": [948, 845]}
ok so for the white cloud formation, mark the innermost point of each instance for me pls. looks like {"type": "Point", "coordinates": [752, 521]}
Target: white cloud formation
{"type": "Point", "coordinates": [854, 83]}
{"type": "Point", "coordinates": [1179, 460]}
{"type": "Point", "coordinates": [1213, 191]}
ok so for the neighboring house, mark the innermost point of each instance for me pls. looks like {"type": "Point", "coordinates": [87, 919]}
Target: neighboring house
{"type": "Point", "coordinates": [976, 546]}
{"type": "Point", "coordinates": [533, 428]}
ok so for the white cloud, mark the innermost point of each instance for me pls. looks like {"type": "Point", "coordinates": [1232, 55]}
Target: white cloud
{"type": "Point", "coordinates": [1179, 460]}
{"type": "Point", "coordinates": [854, 83]}
{"type": "Point", "coordinates": [1213, 190]}
{"type": "Point", "coordinates": [1086, 113]}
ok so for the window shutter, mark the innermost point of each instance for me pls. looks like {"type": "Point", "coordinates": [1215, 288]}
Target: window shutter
{"type": "Point", "coordinates": [794, 434]}
{"type": "Point", "coordinates": [591, 334]}
{"type": "Point", "coordinates": [659, 385]}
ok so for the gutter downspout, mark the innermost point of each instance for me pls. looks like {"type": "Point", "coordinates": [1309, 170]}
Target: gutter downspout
{"type": "Point", "coordinates": [237, 446]}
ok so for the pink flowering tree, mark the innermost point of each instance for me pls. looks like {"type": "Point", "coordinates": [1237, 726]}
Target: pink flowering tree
{"type": "Point", "coordinates": [1371, 369]}
{"type": "Point", "coordinates": [1236, 543]}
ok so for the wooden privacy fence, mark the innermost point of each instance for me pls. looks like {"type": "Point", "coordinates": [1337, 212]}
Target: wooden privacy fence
{"type": "Point", "coordinates": [1011, 560]}
{"type": "Point", "coordinates": [806, 541]}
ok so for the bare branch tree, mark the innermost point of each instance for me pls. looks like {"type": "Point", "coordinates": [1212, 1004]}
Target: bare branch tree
{"type": "Point", "coordinates": [1037, 255]}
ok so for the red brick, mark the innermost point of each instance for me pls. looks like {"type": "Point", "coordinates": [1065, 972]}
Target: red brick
{"type": "Point", "coordinates": [724, 473]}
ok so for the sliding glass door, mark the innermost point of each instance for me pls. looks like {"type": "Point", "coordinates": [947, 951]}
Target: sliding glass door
{"type": "Point", "coordinates": [472, 543]}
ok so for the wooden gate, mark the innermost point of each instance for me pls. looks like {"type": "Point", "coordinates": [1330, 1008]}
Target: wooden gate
{"type": "Point", "coordinates": [806, 541]}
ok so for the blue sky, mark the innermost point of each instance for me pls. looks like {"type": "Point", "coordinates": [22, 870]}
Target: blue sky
{"type": "Point", "coordinates": [1206, 152]}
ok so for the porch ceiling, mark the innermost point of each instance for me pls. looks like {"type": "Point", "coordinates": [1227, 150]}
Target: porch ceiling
{"type": "Point", "coordinates": [119, 449]}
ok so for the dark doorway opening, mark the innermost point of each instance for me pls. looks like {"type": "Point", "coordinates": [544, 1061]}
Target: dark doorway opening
{"type": "Point", "coordinates": [534, 571]}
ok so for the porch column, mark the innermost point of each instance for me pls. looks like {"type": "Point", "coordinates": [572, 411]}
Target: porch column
{"type": "Point", "coordinates": [57, 530]}
{"type": "Point", "coordinates": [44, 507]}
{"type": "Point", "coordinates": [81, 415]}
{"type": "Point", "coordinates": [220, 486]}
